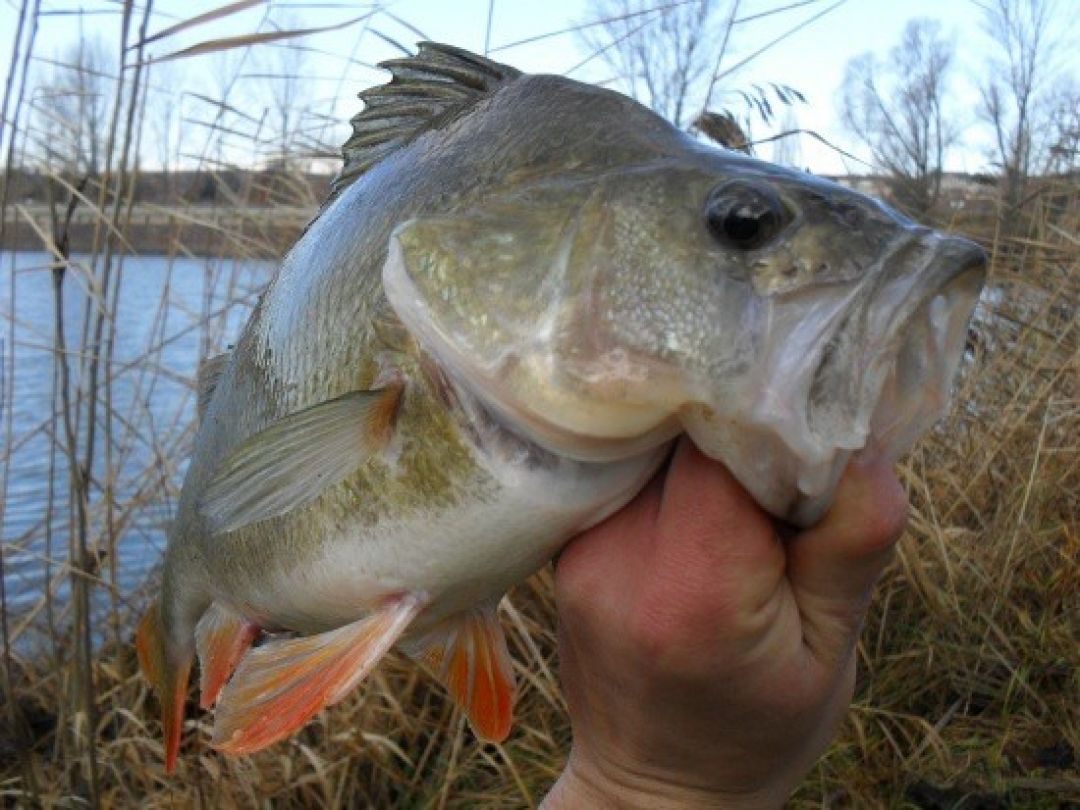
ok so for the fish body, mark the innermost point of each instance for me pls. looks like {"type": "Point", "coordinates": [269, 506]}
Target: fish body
{"type": "Point", "coordinates": [521, 291]}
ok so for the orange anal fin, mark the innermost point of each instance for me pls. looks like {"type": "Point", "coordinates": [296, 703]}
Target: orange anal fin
{"type": "Point", "coordinates": [221, 639]}
{"type": "Point", "coordinates": [468, 653]}
{"type": "Point", "coordinates": [282, 684]}
{"type": "Point", "coordinates": [170, 680]}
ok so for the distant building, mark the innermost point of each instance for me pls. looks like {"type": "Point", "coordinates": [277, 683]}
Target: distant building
{"type": "Point", "coordinates": [970, 193]}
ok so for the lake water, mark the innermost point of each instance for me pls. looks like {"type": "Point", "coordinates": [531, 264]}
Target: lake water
{"type": "Point", "coordinates": [170, 312]}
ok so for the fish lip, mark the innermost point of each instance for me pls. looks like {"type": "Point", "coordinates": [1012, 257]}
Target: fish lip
{"type": "Point", "coordinates": [951, 273]}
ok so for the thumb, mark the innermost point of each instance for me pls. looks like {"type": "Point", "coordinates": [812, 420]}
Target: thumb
{"type": "Point", "coordinates": [833, 566]}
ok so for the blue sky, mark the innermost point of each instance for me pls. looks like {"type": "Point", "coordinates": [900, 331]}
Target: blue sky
{"type": "Point", "coordinates": [811, 60]}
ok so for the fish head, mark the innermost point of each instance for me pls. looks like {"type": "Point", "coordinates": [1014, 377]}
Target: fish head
{"type": "Point", "coordinates": [855, 321]}
{"type": "Point", "coordinates": [782, 321]}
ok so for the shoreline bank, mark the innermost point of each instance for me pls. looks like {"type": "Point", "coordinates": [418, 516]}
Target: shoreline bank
{"type": "Point", "coordinates": [263, 232]}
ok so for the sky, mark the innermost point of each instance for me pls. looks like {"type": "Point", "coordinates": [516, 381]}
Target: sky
{"type": "Point", "coordinates": [337, 64]}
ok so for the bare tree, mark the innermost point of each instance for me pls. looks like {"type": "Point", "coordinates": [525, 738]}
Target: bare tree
{"type": "Point", "coordinates": [668, 54]}
{"type": "Point", "coordinates": [72, 106]}
{"type": "Point", "coordinates": [895, 107]}
{"type": "Point", "coordinates": [1063, 155]}
{"type": "Point", "coordinates": [662, 53]}
{"type": "Point", "coordinates": [283, 68]}
{"type": "Point", "coordinates": [1019, 101]}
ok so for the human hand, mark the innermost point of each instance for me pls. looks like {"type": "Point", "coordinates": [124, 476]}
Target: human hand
{"type": "Point", "coordinates": [706, 662]}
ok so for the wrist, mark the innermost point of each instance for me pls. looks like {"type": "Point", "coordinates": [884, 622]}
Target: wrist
{"type": "Point", "coordinates": [581, 785]}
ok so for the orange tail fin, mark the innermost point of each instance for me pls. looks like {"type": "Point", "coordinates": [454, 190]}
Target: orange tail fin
{"type": "Point", "coordinates": [468, 654]}
{"type": "Point", "coordinates": [169, 679]}
{"type": "Point", "coordinates": [282, 684]}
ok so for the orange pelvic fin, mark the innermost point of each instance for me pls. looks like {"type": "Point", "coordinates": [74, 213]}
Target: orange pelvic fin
{"type": "Point", "coordinates": [169, 679]}
{"type": "Point", "coordinates": [468, 654]}
{"type": "Point", "coordinates": [221, 639]}
{"type": "Point", "coordinates": [282, 684]}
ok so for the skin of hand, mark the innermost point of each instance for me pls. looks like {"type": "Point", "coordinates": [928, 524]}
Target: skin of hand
{"type": "Point", "coordinates": [706, 661]}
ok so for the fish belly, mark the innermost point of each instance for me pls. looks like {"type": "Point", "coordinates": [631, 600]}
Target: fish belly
{"type": "Point", "coordinates": [457, 555]}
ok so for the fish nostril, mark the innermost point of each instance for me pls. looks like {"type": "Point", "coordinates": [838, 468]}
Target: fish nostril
{"type": "Point", "coordinates": [851, 215]}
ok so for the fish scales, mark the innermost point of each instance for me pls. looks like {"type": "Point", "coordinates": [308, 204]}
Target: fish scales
{"type": "Point", "coordinates": [520, 291]}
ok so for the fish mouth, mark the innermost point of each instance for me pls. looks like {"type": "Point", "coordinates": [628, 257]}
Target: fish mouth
{"type": "Point", "coordinates": [845, 371]}
{"type": "Point", "coordinates": [914, 339]}
{"type": "Point", "coordinates": [929, 341]}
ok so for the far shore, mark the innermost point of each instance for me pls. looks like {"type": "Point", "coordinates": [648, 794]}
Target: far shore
{"type": "Point", "coordinates": [253, 214]}
{"type": "Point", "coordinates": [194, 230]}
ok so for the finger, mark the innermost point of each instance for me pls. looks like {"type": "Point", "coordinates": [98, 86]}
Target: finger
{"type": "Point", "coordinates": [705, 511]}
{"type": "Point", "coordinates": [714, 564]}
{"type": "Point", "coordinates": [600, 565]}
{"type": "Point", "coordinates": [833, 566]}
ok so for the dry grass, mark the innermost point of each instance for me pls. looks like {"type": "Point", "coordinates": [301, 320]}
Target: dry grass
{"type": "Point", "coordinates": [970, 660]}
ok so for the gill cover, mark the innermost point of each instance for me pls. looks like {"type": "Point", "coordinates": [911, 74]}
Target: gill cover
{"type": "Point", "coordinates": [511, 300]}
{"type": "Point", "coordinates": [586, 311]}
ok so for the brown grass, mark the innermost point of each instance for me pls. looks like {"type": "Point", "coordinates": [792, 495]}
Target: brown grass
{"type": "Point", "coordinates": [970, 661]}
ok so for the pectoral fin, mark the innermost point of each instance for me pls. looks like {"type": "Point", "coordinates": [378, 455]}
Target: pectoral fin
{"type": "Point", "coordinates": [468, 654]}
{"type": "Point", "coordinates": [281, 685]}
{"type": "Point", "coordinates": [291, 462]}
{"type": "Point", "coordinates": [222, 637]}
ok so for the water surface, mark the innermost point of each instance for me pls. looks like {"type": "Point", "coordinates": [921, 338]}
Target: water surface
{"type": "Point", "coordinates": [169, 313]}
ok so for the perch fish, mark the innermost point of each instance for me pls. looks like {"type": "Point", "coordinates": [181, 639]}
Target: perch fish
{"type": "Point", "coordinates": [520, 291]}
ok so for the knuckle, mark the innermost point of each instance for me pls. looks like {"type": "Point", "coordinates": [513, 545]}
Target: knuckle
{"type": "Point", "coordinates": [889, 525]}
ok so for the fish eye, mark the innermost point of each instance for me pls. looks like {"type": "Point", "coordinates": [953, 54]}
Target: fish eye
{"type": "Point", "coordinates": [744, 215]}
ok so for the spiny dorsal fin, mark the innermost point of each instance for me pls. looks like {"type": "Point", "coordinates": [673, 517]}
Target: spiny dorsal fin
{"type": "Point", "coordinates": [436, 83]}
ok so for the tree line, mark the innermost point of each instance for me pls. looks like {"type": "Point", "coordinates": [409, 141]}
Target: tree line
{"type": "Point", "coordinates": [677, 56]}
{"type": "Point", "coordinates": [270, 124]}
{"type": "Point", "coordinates": [901, 106]}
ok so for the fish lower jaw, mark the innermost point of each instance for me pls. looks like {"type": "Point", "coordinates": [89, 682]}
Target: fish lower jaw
{"type": "Point", "coordinates": [791, 476]}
